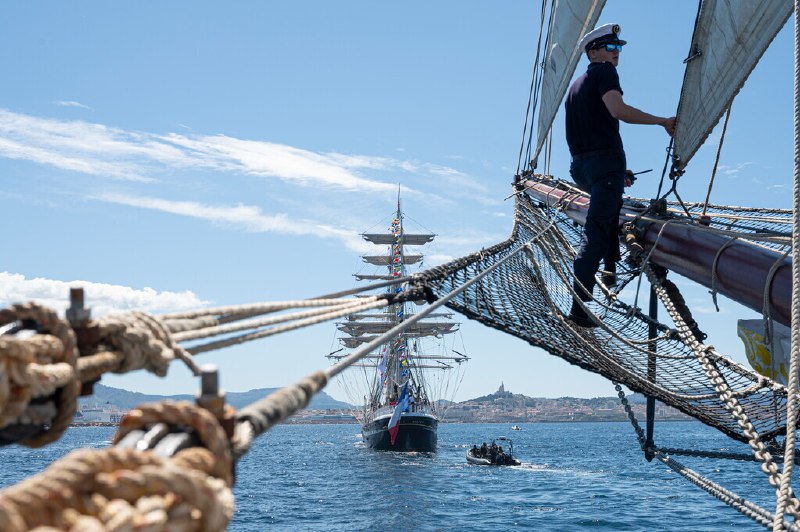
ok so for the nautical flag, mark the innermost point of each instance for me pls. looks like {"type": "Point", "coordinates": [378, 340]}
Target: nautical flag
{"type": "Point", "coordinates": [382, 365]}
{"type": "Point", "coordinates": [402, 405]}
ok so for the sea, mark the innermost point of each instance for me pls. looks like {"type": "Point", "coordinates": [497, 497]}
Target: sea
{"type": "Point", "coordinates": [574, 476]}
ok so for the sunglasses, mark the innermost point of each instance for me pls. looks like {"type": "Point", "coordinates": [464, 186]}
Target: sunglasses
{"type": "Point", "coordinates": [611, 47]}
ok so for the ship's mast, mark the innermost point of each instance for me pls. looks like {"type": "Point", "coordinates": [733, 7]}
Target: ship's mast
{"type": "Point", "coordinates": [400, 360]}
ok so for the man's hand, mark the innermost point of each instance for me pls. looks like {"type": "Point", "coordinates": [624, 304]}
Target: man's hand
{"type": "Point", "coordinates": [629, 178]}
{"type": "Point", "coordinates": [669, 125]}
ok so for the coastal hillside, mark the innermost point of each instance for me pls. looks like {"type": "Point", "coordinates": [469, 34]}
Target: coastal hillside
{"type": "Point", "coordinates": [505, 406]}
{"type": "Point", "coordinates": [125, 400]}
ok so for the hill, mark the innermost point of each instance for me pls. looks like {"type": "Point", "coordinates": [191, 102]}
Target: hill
{"type": "Point", "coordinates": [126, 400]}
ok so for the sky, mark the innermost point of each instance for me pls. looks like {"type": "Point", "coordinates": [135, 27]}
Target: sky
{"type": "Point", "coordinates": [173, 155]}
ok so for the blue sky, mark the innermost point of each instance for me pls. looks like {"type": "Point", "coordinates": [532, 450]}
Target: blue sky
{"type": "Point", "coordinates": [172, 155]}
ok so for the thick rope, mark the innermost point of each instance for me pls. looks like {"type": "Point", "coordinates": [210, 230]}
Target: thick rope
{"type": "Point", "coordinates": [181, 413]}
{"type": "Point", "coordinates": [120, 489]}
{"type": "Point", "coordinates": [37, 368]}
{"type": "Point", "coordinates": [785, 491]}
{"type": "Point", "coordinates": [257, 418]}
{"type": "Point", "coordinates": [142, 341]}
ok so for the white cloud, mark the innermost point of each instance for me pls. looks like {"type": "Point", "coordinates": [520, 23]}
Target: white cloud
{"type": "Point", "coordinates": [101, 298]}
{"type": "Point", "coordinates": [243, 217]}
{"type": "Point", "coordinates": [734, 170]}
{"type": "Point", "coordinates": [70, 103]}
{"type": "Point", "coordinates": [99, 150]}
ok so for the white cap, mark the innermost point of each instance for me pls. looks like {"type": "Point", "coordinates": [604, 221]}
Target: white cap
{"type": "Point", "coordinates": [605, 34]}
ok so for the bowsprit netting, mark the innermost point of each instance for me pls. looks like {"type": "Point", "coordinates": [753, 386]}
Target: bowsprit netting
{"type": "Point", "coordinates": [529, 292]}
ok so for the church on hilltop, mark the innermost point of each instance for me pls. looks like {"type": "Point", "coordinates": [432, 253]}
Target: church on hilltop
{"type": "Point", "coordinates": [501, 391]}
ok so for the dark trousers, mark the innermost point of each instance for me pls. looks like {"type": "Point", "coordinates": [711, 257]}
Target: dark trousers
{"type": "Point", "coordinates": [602, 175]}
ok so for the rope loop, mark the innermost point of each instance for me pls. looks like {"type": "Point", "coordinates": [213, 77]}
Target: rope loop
{"type": "Point", "coordinates": [183, 413]}
{"type": "Point", "coordinates": [38, 366]}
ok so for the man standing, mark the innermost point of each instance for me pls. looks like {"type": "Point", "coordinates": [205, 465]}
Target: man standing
{"type": "Point", "coordinates": [594, 108]}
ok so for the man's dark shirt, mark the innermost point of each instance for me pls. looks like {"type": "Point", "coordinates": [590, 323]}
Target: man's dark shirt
{"type": "Point", "coordinates": [590, 127]}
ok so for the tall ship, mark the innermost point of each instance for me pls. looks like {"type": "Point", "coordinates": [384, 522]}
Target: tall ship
{"type": "Point", "coordinates": [404, 386]}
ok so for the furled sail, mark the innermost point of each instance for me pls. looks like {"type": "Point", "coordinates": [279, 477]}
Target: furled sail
{"type": "Point", "coordinates": [570, 22]}
{"type": "Point", "coordinates": [729, 39]}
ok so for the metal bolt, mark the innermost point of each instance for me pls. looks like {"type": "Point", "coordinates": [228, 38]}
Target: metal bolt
{"type": "Point", "coordinates": [209, 379]}
{"type": "Point", "coordinates": [77, 314]}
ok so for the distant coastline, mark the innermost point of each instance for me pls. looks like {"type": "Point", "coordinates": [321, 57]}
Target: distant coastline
{"type": "Point", "coordinates": [499, 407]}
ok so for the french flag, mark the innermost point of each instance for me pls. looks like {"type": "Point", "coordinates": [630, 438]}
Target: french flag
{"type": "Point", "coordinates": [402, 405]}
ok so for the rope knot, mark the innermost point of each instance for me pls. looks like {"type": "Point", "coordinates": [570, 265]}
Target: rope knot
{"type": "Point", "coordinates": [142, 339]}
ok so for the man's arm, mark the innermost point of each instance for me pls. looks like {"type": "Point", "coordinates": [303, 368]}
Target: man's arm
{"type": "Point", "coordinates": [622, 111]}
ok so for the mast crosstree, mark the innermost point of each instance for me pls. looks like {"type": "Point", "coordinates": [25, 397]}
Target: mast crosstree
{"type": "Point", "coordinates": [405, 367]}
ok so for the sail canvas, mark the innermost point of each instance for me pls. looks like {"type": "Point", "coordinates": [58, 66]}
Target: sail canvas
{"type": "Point", "coordinates": [730, 37]}
{"type": "Point", "coordinates": [570, 22]}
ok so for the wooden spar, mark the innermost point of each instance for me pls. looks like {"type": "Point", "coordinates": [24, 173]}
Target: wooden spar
{"type": "Point", "coordinates": [689, 250]}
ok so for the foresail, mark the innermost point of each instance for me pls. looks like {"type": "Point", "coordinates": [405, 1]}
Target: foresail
{"type": "Point", "coordinates": [571, 21]}
{"type": "Point", "coordinates": [730, 38]}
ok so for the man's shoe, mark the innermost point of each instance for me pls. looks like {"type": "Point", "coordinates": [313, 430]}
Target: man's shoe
{"type": "Point", "coordinates": [579, 317]}
{"type": "Point", "coordinates": [582, 321]}
{"type": "Point", "coordinates": [609, 279]}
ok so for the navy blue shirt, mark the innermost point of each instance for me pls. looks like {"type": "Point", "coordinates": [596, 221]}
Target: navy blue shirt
{"type": "Point", "coordinates": [590, 127]}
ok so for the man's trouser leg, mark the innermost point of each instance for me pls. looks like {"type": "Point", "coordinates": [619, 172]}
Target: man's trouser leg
{"type": "Point", "coordinates": [602, 220]}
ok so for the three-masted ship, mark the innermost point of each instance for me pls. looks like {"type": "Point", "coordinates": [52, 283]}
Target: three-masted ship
{"type": "Point", "coordinates": [402, 387]}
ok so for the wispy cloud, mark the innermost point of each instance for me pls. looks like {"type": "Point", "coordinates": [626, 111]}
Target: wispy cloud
{"type": "Point", "coordinates": [102, 298]}
{"type": "Point", "coordinates": [242, 217]}
{"type": "Point", "coordinates": [103, 151]}
{"type": "Point", "coordinates": [70, 103]}
{"type": "Point", "coordinates": [733, 171]}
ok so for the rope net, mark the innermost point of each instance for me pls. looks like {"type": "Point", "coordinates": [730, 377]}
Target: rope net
{"type": "Point", "coordinates": [529, 293]}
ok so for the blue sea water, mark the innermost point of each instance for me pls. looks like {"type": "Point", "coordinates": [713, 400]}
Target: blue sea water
{"type": "Point", "coordinates": [575, 476]}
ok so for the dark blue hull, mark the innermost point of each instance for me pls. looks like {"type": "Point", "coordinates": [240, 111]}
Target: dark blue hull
{"type": "Point", "coordinates": [417, 433]}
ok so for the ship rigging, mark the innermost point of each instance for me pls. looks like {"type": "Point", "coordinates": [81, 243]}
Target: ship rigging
{"type": "Point", "coordinates": [406, 382]}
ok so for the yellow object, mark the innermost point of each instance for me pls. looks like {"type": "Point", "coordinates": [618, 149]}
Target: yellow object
{"type": "Point", "coordinates": [768, 359]}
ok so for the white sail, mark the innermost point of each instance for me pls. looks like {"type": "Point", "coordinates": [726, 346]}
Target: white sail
{"type": "Point", "coordinates": [730, 38]}
{"type": "Point", "coordinates": [571, 20]}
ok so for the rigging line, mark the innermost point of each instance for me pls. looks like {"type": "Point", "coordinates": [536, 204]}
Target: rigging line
{"type": "Point", "coordinates": [765, 308]}
{"type": "Point", "coordinates": [211, 346]}
{"type": "Point", "coordinates": [685, 74]}
{"type": "Point", "coordinates": [358, 355]}
{"type": "Point", "coordinates": [720, 384]}
{"type": "Point", "coordinates": [373, 286]}
{"type": "Point", "coordinates": [528, 111]}
{"type": "Point", "coordinates": [714, 265]}
{"type": "Point", "coordinates": [784, 491]}
{"type": "Point", "coordinates": [538, 89]}
{"type": "Point", "coordinates": [680, 200]}
{"type": "Point", "coordinates": [716, 160]}
{"type": "Point", "coordinates": [255, 324]}
{"type": "Point", "coordinates": [664, 170]}
{"type": "Point", "coordinates": [737, 502]}
{"type": "Point", "coordinates": [250, 309]}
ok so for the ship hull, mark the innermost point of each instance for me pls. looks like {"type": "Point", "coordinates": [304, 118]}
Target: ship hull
{"type": "Point", "coordinates": [417, 433]}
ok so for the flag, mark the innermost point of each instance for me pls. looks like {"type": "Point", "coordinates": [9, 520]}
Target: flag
{"type": "Point", "coordinates": [402, 404]}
